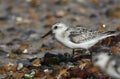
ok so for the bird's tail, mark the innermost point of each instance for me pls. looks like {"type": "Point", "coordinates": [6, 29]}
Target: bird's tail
{"type": "Point", "coordinates": [109, 34]}
{"type": "Point", "coordinates": [112, 33]}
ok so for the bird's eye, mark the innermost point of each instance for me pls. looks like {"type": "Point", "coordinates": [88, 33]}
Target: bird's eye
{"type": "Point", "coordinates": [55, 27]}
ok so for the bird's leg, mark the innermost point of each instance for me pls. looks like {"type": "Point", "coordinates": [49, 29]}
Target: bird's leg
{"type": "Point", "coordinates": [89, 53]}
{"type": "Point", "coordinates": [73, 52]}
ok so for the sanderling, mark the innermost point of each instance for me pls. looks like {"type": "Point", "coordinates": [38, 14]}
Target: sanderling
{"type": "Point", "coordinates": [77, 37]}
{"type": "Point", "coordinates": [108, 64]}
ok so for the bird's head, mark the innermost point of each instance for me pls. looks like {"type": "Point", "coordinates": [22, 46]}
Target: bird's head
{"type": "Point", "coordinates": [59, 27]}
{"type": "Point", "coordinates": [56, 29]}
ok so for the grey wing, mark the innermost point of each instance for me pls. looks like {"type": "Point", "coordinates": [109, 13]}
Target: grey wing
{"type": "Point", "coordinates": [81, 34]}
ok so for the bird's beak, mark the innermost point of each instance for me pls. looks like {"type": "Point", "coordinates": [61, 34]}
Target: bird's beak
{"type": "Point", "coordinates": [50, 32]}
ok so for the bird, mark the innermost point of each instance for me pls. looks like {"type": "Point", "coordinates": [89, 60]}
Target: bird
{"type": "Point", "coordinates": [78, 36]}
{"type": "Point", "coordinates": [109, 64]}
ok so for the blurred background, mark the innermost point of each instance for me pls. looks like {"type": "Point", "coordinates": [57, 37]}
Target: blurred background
{"type": "Point", "coordinates": [23, 22]}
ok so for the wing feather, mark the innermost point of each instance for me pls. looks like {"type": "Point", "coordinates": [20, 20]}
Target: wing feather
{"type": "Point", "coordinates": [81, 34]}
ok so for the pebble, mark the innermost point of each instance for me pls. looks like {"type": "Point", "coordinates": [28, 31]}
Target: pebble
{"type": "Point", "coordinates": [20, 66]}
{"type": "Point", "coordinates": [1, 34]}
{"type": "Point", "coordinates": [17, 74]}
{"type": "Point", "coordinates": [11, 29]}
{"type": "Point", "coordinates": [113, 12]}
{"type": "Point", "coordinates": [31, 11]}
{"type": "Point", "coordinates": [25, 51]}
{"type": "Point", "coordinates": [61, 13]}
{"type": "Point", "coordinates": [36, 63]}
{"type": "Point", "coordinates": [20, 20]}
{"type": "Point", "coordinates": [118, 28]}
{"type": "Point", "coordinates": [28, 76]}
{"type": "Point", "coordinates": [61, 2]}
{"type": "Point", "coordinates": [34, 17]}
{"type": "Point", "coordinates": [35, 3]}
{"type": "Point", "coordinates": [3, 18]}
{"type": "Point", "coordinates": [102, 28]}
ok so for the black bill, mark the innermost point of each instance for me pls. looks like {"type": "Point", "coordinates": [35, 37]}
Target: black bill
{"type": "Point", "coordinates": [50, 32]}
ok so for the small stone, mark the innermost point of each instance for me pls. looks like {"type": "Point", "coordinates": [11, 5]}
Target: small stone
{"type": "Point", "coordinates": [20, 20]}
{"type": "Point", "coordinates": [20, 66]}
{"type": "Point", "coordinates": [1, 34]}
{"type": "Point", "coordinates": [95, 1]}
{"type": "Point", "coordinates": [47, 71]}
{"type": "Point", "coordinates": [20, 50]}
{"type": "Point", "coordinates": [30, 32]}
{"type": "Point", "coordinates": [31, 11]}
{"type": "Point", "coordinates": [9, 68]}
{"type": "Point", "coordinates": [75, 19]}
{"type": "Point", "coordinates": [51, 59]}
{"type": "Point", "coordinates": [12, 55]}
{"type": "Point", "coordinates": [11, 29]}
{"type": "Point", "coordinates": [118, 28]}
{"type": "Point", "coordinates": [63, 71]}
{"type": "Point", "coordinates": [94, 69]}
{"type": "Point", "coordinates": [93, 16]}
{"type": "Point", "coordinates": [39, 73]}
{"type": "Point", "coordinates": [62, 2]}
{"type": "Point", "coordinates": [23, 48]}
{"type": "Point", "coordinates": [4, 18]}
{"type": "Point", "coordinates": [36, 63]}
{"type": "Point", "coordinates": [81, 1]}
{"type": "Point", "coordinates": [70, 65]}
{"type": "Point", "coordinates": [113, 12]}
{"type": "Point", "coordinates": [2, 71]}
{"type": "Point", "coordinates": [115, 50]}
{"type": "Point", "coordinates": [18, 74]}
{"type": "Point", "coordinates": [50, 20]}
{"type": "Point", "coordinates": [84, 64]}
{"type": "Point", "coordinates": [28, 0]}
{"type": "Point", "coordinates": [29, 76]}
{"type": "Point", "coordinates": [61, 13]}
{"type": "Point", "coordinates": [58, 45]}
{"type": "Point", "coordinates": [89, 75]}
{"type": "Point", "coordinates": [18, 9]}
{"type": "Point", "coordinates": [35, 3]}
{"type": "Point", "coordinates": [25, 69]}
{"type": "Point", "coordinates": [34, 17]}
{"type": "Point", "coordinates": [102, 28]}
{"type": "Point", "coordinates": [25, 51]}
{"type": "Point", "coordinates": [10, 64]}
